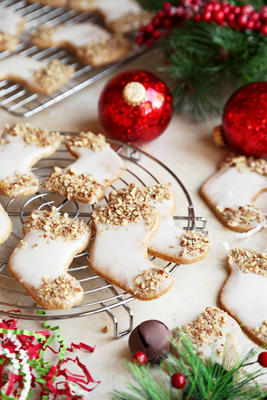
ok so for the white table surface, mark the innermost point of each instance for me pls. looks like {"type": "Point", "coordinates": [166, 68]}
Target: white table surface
{"type": "Point", "coordinates": [188, 149]}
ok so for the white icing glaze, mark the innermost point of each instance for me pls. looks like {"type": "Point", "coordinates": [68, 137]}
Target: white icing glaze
{"type": "Point", "coordinates": [229, 187]}
{"type": "Point", "coordinates": [50, 258]}
{"type": "Point", "coordinates": [124, 256]}
{"type": "Point", "coordinates": [245, 295]}
{"type": "Point", "coordinates": [4, 223]}
{"type": "Point", "coordinates": [80, 34]}
{"type": "Point", "coordinates": [115, 9]}
{"type": "Point", "coordinates": [167, 238]}
{"type": "Point", "coordinates": [19, 67]}
{"type": "Point", "coordinates": [104, 165]}
{"type": "Point", "coordinates": [17, 156]}
{"type": "Point", "coordinates": [9, 21]}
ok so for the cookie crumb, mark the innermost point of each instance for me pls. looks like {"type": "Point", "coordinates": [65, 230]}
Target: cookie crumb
{"type": "Point", "coordinates": [106, 329]}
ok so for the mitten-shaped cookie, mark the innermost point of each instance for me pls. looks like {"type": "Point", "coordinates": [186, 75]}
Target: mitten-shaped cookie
{"type": "Point", "coordinates": [41, 260]}
{"type": "Point", "coordinates": [232, 190]}
{"type": "Point", "coordinates": [123, 229]}
{"type": "Point", "coordinates": [22, 146]}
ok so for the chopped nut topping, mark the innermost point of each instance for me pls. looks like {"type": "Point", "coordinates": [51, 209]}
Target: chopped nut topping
{"type": "Point", "coordinates": [125, 206]}
{"type": "Point", "coordinates": [31, 135]}
{"type": "Point", "coordinates": [22, 244]}
{"type": "Point", "coordinates": [69, 184]}
{"type": "Point", "coordinates": [87, 140]}
{"type": "Point", "coordinates": [13, 186]}
{"type": "Point", "coordinates": [150, 280]}
{"type": "Point", "coordinates": [159, 192]}
{"type": "Point", "coordinates": [7, 41]}
{"type": "Point", "coordinates": [261, 331]}
{"type": "Point", "coordinates": [243, 163]}
{"type": "Point", "coordinates": [49, 76]}
{"type": "Point", "coordinates": [193, 244]}
{"type": "Point", "coordinates": [249, 261]}
{"type": "Point", "coordinates": [43, 34]}
{"type": "Point", "coordinates": [55, 225]}
{"type": "Point", "coordinates": [236, 216]}
{"type": "Point", "coordinates": [208, 324]}
{"type": "Point", "coordinates": [57, 293]}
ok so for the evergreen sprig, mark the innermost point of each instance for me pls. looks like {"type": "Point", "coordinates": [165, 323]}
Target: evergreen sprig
{"type": "Point", "coordinates": [205, 379]}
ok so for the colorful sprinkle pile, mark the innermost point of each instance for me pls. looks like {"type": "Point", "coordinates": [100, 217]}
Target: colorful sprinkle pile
{"type": "Point", "coordinates": [25, 372]}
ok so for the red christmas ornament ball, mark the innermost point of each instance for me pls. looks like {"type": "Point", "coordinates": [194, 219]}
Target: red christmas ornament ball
{"type": "Point", "coordinates": [245, 120]}
{"type": "Point", "coordinates": [139, 358]}
{"type": "Point", "coordinates": [135, 106]}
{"type": "Point", "coordinates": [178, 381]}
{"type": "Point", "coordinates": [262, 359]}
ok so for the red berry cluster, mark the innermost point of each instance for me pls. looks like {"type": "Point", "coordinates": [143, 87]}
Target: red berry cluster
{"type": "Point", "coordinates": [221, 13]}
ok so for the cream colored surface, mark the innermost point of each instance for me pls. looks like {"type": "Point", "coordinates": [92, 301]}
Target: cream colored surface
{"type": "Point", "coordinates": [188, 149]}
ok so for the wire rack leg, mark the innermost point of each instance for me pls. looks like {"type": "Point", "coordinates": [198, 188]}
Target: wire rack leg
{"type": "Point", "coordinates": [117, 333]}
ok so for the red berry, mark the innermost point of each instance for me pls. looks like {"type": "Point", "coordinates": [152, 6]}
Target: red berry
{"type": "Point", "coordinates": [197, 17]}
{"type": "Point", "coordinates": [216, 6]}
{"type": "Point", "coordinates": [250, 24]}
{"type": "Point", "coordinates": [178, 381]}
{"type": "Point", "coordinates": [166, 22]}
{"type": "Point", "coordinates": [161, 14]}
{"type": "Point", "coordinates": [166, 5]}
{"type": "Point", "coordinates": [139, 39]}
{"type": "Point", "coordinates": [247, 9]}
{"type": "Point", "coordinates": [139, 358]}
{"type": "Point", "coordinates": [149, 28]}
{"type": "Point", "coordinates": [258, 25]}
{"type": "Point", "coordinates": [254, 16]}
{"type": "Point", "coordinates": [218, 16]}
{"type": "Point", "coordinates": [262, 358]}
{"type": "Point", "coordinates": [156, 21]}
{"type": "Point", "coordinates": [230, 17]}
{"type": "Point", "coordinates": [242, 20]}
{"type": "Point", "coordinates": [156, 34]}
{"type": "Point", "coordinates": [206, 16]}
{"type": "Point", "coordinates": [236, 10]}
{"type": "Point", "coordinates": [180, 11]}
{"type": "Point", "coordinates": [208, 7]}
{"type": "Point", "coordinates": [264, 32]}
{"type": "Point", "coordinates": [225, 9]}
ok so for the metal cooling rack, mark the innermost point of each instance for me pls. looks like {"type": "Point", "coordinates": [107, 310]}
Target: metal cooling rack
{"type": "Point", "coordinates": [99, 295]}
{"type": "Point", "coordinates": [14, 97]}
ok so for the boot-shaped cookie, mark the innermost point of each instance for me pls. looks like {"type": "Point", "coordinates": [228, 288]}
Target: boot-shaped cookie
{"type": "Point", "coordinates": [232, 190]}
{"type": "Point", "coordinates": [5, 225]}
{"type": "Point", "coordinates": [41, 260]}
{"type": "Point", "coordinates": [86, 180]}
{"type": "Point", "coordinates": [119, 253]}
{"type": "Point", "coordinates": [244, 294]}
{"type": "Point", "coordinates": [169, 242]}
{"type": "Point", "coordinates": [22, 146]}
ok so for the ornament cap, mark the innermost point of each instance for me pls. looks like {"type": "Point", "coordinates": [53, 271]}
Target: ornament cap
{"type": "Point", "coordinates": [134, 93]}
{"type": "Point", "coordinates": [218, 136]}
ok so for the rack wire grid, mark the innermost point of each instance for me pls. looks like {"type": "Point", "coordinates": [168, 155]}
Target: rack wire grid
{"type": "Point", "coordinates": [14, 97]}
{"type": "Point", "coordinates": [99, 295]}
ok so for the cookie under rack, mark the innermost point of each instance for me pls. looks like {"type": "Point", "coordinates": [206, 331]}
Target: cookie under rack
{"type": "Point", "coordinates": [100, 296]}
{"type": "Point", "coordinates": [14, 97]}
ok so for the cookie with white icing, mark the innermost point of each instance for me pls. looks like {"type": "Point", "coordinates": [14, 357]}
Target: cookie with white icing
{"type": "Point", "coordinates": [123, 228]}
{"type": "Point", "coordinates": [232, 190]}
{"type": "Point", "coordinates": [11, 25]}
{"type": "Point", "coordinates": [169, 243]}
{"type": "Point", "coordinates": [38, 76]}
{"type": "Point", "coordinates": [22, 146]}
{"type": "Point", "coordinates": [5, 225]}
{"type": "Point", "coordinates": [96, 167]}
{"type": "Point", "coordinates": [119, 16]}
{"type": "Point", "coordinates": [91, 43]}
{"type": "Point", "coordinates": [41, 260]}
{"type": "Point", "coordinates": [244, 294]}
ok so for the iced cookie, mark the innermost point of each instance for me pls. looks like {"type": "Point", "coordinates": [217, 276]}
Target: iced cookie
{"type": "Point", "coordinates": [11, 25]}
{"type": "Point", "coordinates": [96, 167]}
{"type": "Point", "coordinates": [5, 225]}
{"type": "Point", "coordinates": [232, 190]}
{"type": "Point", "coordinates": [119, 16]}
{"type": "Point", "coordinates": [123, 229]}
{"type": "Point", "coordinates": [41, 260]}
{"type": "Point", "coordinates": [22, 146]}
{"type": "Point", "coordinates": [244, 294]}
{"type": "Point", "coordinates": [92, 44]}
{"type": "Point", "coordinates": [169, 242]}
{"type": "Point", "coordinates": [37, 76]}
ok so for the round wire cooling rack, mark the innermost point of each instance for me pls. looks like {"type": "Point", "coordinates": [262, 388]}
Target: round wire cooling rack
{"type": "Point", "coordinates": [99, 295]}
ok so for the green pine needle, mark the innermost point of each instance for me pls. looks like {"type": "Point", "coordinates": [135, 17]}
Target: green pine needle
{"type": "Point", "coordinates": [205, 379]}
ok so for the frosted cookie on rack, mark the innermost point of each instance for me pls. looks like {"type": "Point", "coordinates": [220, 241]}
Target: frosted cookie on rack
{"type": "Point", "coordinates": [5, 225]}
{"type": "Point", "coordinates": [91, 43]}
{"type": "Point", "coordinates": [230, 192]}
{"type": "Point", "coordinates": [11, 25]}
{"type": "Point", "coordinates": [244, 294]}
{"type": "Point", "coordinates": [22, 146]}
{"type": "Point", "coordinates": [120, 16]}
{"type": "Point", "coordinates": [123, 228]}
{"type": "Point", "coordinates": [97, 167]}
{"type": "Point", "coordinates": [169, 242]}
{"type": "Point", "coordinates": [37, 76]}
{"type": "Point", "coordinates": [41, 260]}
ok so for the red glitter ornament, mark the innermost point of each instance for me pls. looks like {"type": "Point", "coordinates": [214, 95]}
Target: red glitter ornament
{"type": "Point", "coordinates": [178, 381]}
{"type": "Point", "coordinates": [139, 357]}
{"type": "Point", "coordinates": [245, 120]}
{"type": "Point", "coordinates": [262, 359]}
{"type": "Point", "coordinates": [135, 106]}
